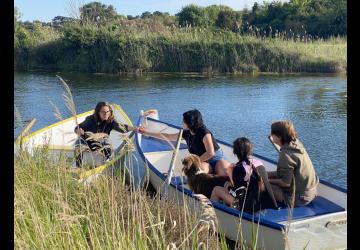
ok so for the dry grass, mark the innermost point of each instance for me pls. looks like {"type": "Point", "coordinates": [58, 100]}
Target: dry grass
{"type": "Point", "coordinates": [52, 210]}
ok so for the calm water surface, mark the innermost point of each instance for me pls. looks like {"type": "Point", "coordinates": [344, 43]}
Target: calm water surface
{"type": "Point", "coordinates": [231, 106]}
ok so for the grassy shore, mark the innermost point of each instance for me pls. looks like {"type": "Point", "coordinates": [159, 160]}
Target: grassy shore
{"type": "Point", "coordinates": [53, 211]}
{"type": "Point", "coordinates": [152, 47]}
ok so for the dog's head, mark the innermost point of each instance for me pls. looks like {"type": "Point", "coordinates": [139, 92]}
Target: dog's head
{"type": "Point", "coordinates": [191, 164]}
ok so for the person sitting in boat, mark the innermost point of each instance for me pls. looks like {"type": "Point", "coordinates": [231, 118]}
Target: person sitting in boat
{"type": "Point", "coordinates": [102, 121]}
{"type": "Point", "coordinates": [200, 141]}
{"type": "Point", "coordinates": [250, 186]}
{"type": "Point", "coordinates": [295, 180]}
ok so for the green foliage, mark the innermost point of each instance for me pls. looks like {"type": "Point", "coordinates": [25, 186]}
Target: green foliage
{"type": "Point", "coordinates": [155, 42]}
{"type": "Point", "coordinates": [212, 13]}
{"type": "Point", "coordinates": [193, 15]}
{"type": "Point", "coordinates": [96, 12]}
{"type": "Point", "coordinates": [322, 18]}
{"type": "Point", "coordinates": [163, 17]}
{"type": "Point", "coordinates": [228, 19]}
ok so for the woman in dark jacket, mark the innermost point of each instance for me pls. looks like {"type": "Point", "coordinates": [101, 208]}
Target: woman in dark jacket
{"type": "Point", "coordinates": [102, 121]}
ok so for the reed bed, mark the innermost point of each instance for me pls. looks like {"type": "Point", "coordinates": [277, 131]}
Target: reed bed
{"type": "Point", "coordinates": [149, 46]}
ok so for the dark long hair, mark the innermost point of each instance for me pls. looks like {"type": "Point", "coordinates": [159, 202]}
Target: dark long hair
{"type": "Point", "coordinates": [193, 119]}
{"type": "Point", "coordinates": [243, 149]}
{"type": "Point", "coordinates": [98, 107]}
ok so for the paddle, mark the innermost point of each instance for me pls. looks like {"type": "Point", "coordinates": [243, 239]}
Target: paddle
{"type": "Point", "coordinates": [172, 163]}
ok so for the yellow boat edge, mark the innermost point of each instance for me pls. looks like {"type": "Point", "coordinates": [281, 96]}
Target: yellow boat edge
{"type": "Point", "coordinates": [25, 138]}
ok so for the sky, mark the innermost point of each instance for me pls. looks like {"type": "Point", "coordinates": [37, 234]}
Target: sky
{"type": "Point", "coordinates": [46, 10]}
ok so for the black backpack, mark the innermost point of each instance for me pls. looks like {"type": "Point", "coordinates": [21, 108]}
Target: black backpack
{"type": "Point", "coordinates": [257, 194]}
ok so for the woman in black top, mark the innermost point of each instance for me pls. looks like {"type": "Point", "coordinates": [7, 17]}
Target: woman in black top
{"type": "Point", "coordinates": [200, 141]}
{"type": "Point", "coordinates": [102, 121]}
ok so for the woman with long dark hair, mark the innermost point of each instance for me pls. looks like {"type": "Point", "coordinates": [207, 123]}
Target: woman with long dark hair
{"type": "Point", "coordinates": [200, 141]}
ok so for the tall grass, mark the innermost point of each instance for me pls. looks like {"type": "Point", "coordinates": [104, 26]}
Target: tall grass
{"type": "Point", "coordinates": [53, 211]}
{"type": "Point", "coordinates": [148, 46]}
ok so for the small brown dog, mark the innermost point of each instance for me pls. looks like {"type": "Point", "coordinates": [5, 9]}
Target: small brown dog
{"type": "Point", "coordinates": [199, 182]}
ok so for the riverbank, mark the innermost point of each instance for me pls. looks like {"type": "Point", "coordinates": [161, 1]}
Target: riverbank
{"type": "Point", "coordinates": [130, 48]}
{"type": "Point", "coordinates": [52, 209]}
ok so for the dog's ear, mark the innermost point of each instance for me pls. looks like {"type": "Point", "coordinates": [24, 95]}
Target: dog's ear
{"type": "Point", "coordinates": [195, 160]}
{"type": "Point", "coordinates": [186, 162]}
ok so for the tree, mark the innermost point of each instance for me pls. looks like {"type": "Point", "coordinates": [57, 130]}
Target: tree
{"type": "Point", "coordinates": [212, 13]}
{"type": "Point", "coordinates": [229, 19]}
{"type": "Point", "coordinates": [97, 12]}
{"type": "Point", "coordinates": [192, 14]}
{"type": "Point", "coordinates": [321, 18]}
{"type": "Point", "coordinates": [17, 14]}
{"type": "Point", "coordinates": [61, 20]}
{"type": "Point", "coordinates": [146, 14]}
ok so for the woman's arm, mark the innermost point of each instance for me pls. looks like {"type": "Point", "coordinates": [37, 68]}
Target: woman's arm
{"type": "Point", "coordinates": [122, 128]}
{"type": "Point", "coordinates": [162, 136]}
{"type": "Point", "coordinates": [272, 174]}
{"type": "Point", "coordinates": [279, 182]}
{"type": "Point", "coordinates": [209, 146]}
{"type": "Point", "coordinates": [285, 171]}
{"type": "Point", "coordinates": [84, 126]}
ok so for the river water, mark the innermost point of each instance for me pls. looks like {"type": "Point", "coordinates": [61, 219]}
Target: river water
{"type": "Point", "coordinates": [231, 106]}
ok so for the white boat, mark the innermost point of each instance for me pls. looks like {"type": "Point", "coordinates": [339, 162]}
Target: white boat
{"type": "Point", "coordinates": [59, 138]}
{"type": "Point", "coordinates": [320, 225]}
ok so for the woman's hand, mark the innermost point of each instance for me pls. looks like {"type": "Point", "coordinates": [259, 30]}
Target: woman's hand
{"type": "Point", "coordinates": [141, 130]}
{"type": "Point", "coordinates": [80, 131]}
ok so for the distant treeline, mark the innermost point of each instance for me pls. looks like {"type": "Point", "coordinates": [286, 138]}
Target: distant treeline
{"type": "Point", "coordinates": [317, 18]}
{"type": "Point", "coordinates": [275, 37]}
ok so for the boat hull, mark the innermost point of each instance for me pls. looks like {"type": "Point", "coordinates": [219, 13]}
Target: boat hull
{"type": "Point", "coordinates": [296, 232]}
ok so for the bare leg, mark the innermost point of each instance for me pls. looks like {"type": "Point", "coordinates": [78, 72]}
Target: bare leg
{"type": "Point", "coordinates": [221, 167]}
{"type": "Point", "coordinates": [278, 193]}
{"type": "Point", "coordinates": [206, 167]}
{"type": "Point", "coordinates": [221, 193]}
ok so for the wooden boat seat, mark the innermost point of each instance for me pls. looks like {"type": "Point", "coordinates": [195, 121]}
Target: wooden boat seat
{"type": "Point", "coordinates": [318, 206]}
{"type": "Point", "coordinates": [151, 144]}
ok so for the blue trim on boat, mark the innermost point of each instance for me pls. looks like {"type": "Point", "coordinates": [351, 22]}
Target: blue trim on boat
{"type": "Point", "coordinates": [186, 191]}
{"type": "Point", "coordinates": [344, 190]}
